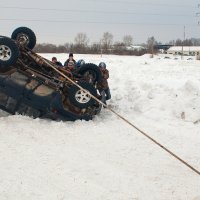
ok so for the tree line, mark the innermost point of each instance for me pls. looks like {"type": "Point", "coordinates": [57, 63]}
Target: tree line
{"type": "Point", "coordinates": [106, 45]}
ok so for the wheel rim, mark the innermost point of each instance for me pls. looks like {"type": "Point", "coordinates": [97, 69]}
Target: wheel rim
{"type": "Point", "coordinates": [82, 97]}
{"type": "Point", "coordinates": [23, 39]}
{"type": "Point", "coordinates": [5, 53]}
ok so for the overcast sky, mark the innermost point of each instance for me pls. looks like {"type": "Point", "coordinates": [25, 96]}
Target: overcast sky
{"type": "Point", "coordinates": [59, 21]}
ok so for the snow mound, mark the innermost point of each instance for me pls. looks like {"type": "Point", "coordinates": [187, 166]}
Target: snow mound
{"type": "Point", "coordinates": [105, 158]}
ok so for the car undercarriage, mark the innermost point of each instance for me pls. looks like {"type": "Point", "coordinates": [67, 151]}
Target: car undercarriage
{"type": "Point", "coordinates": [34, 86]}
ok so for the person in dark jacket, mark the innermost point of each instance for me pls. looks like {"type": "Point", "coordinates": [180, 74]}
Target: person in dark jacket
{"type": "Point", "coordinates": [55, 61]}
{"type": "Point", "coordinates": [71, 58]}
{"type": "Point", "coordinates": [103, 84]}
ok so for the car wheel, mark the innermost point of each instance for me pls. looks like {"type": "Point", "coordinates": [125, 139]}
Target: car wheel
{"type": "Point", "coordinates": [9, 52]}
{"type": "Point", "coordinates": [91, 72]}
{"type": "Point", "coordinates": [25, 37]}
{"type": "Point", "coordinates": [80, 98]}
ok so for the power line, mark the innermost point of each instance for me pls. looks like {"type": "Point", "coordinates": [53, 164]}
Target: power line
{"type": "Point", "coordinates": [93, 22]}
{"type": "Point", "coordinates": [140, 3]}
{"type": "Point", "coordinates": [94, 11]}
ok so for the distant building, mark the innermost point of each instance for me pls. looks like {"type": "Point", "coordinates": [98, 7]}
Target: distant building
{"type": "Point", "coordinates": [162, 47]}
{"type": "Point", "coordinates": [187, 50]}
{"type": "Point", "coordinates": [135, 47]}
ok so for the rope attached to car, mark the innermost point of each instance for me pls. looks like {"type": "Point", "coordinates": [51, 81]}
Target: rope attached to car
{"type": "Point", "coordinates": [125, 120]}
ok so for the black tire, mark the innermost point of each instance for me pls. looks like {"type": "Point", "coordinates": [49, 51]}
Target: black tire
{"type": "Point", "coordinates": [25, 37]}
{"type": "Point", "coordinates": [9, 52]}
{"type": "Point", "coordinates": [92, 70]}
{"type": "Point", "coordinates": [80, 98]}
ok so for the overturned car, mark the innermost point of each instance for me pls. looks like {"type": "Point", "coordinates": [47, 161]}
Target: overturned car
{"type": "Point", "coordinates": [32, 85]}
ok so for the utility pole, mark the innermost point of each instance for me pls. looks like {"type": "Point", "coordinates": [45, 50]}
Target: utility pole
{"type": "Point", "coordinates": [101, 48]}
{"type": "Point", "coordinates": [183, 41]}
{"type": "Point", "coordinates": [197, 15]}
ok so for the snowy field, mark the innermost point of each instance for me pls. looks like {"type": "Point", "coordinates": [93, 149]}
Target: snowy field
{"type": "Point", "coordinates": [106, 159]}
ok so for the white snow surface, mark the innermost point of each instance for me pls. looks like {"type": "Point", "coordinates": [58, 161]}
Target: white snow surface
{"type": "Point", "coordinates": [106, 159]}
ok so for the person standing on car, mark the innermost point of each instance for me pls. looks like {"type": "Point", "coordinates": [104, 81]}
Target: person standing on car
{"type": "Point", "coordinates": [71, 58]}
{"type": "Point", "coordinates": [103, 84]}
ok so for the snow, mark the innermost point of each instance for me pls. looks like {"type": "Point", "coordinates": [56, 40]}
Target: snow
{"type": "Point", "coordinates": [106, 159]}
{"type": "Point", "coordinates": [185, 48]}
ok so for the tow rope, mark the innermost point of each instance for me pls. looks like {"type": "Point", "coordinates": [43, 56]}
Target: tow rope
{"type": "Point", "coordinates": [125, 120]}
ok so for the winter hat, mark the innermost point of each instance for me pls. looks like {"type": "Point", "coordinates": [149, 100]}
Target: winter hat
{"type": "Point", "coordinates": [70, 54]}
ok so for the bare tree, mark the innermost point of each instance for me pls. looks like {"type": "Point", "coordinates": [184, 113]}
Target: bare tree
{"type": "Point", "coordinates": [178, 42]}
{"type": "Point", "coordinates": [195, 41]}
{"type": "Point", "coordinates": [67, 45]}
{"type": "Point", "coordinates": [95, 48]}
{"type": "Point", "coordinates": [81, 39]}
{"type": "Point", "coordinates": [150, 44]}
{"type": "Point", "coordinates": [81, 42]}
{"type": "Point", "coordinates": [187, 42]}
{"type": "Point", "coordinates": [171, 42]}
{"type": "Point", "coordinates": [107, 41]}
{"type": "Point", "coordinates": [128, 40]}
